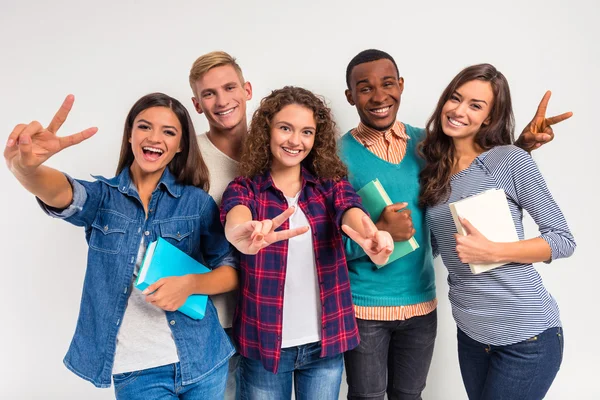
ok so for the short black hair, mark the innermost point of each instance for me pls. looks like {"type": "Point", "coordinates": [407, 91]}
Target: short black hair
{"type": "Point", "coordinates": [366, 56]}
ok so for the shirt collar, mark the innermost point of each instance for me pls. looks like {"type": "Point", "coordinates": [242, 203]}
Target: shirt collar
{"type": "Point", "coordinates": [369, 136]}
{"type": "Point", "coordinates": [123, 182]}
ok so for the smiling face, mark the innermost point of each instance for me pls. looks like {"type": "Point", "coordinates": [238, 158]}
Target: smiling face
{"type": "Point", "coordinates": [467, 109]}
{"type": "Point", "coordinates": [293, 131]}
{"type": "Point", "coordinates": [221, 97]}
{"type": "Point", "coordinates": [155, 140]}
{"type": "Point", "coordinates": [375, 90]}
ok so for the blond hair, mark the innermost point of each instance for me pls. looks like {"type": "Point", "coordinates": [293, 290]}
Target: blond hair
{"type": "Point", "coordinates": [209, 61]}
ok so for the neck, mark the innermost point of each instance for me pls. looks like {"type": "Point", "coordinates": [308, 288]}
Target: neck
{"type": "Point", "coordinates": [287, 179]}
{"type": "Point", "coordinates": [229, 141]}
{"type": "Point", "coordinates": [465, 151]}
{"type": "Point", "coordinates": [145, 183]}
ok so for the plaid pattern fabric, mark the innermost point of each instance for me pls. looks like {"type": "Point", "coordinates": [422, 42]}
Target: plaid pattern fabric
{"type": "Point", "coordinates": [257, 321]}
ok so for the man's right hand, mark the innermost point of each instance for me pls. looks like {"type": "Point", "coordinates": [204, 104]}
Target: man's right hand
{"type": "Point", "coordinates": [396, 220]}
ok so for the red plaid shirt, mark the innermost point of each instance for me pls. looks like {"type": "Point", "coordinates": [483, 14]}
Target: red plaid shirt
{"type": "Point", "coordinates": [258, 316]}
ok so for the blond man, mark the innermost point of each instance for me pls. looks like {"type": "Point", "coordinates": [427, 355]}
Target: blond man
{"type": "Point", "coordinates": [220, 94]}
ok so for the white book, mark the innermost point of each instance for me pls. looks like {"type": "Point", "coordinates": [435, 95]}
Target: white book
{"type": "Point", "coordinates": [488, 212]}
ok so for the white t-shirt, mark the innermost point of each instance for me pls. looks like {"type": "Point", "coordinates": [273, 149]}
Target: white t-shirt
{"type": "Point", "coordinates": [144, 339]}
{"type": "Point", "coordinates": [301, 296]}
{"type": "Point", "coordinates": [223, 169]}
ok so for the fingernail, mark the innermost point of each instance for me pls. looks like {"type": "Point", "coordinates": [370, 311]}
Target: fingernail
{"type": "Point", "coordinates": [10, 142]}
{"type": "Point", "coordinates": [24, 140]}
{"type": "Point", "coordinates": [145, 291]}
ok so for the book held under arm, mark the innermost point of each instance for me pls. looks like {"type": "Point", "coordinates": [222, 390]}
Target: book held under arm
{"type": "Point", "coordinates": [489, 213]}
{"type": "Point", "coordinates": [375, 199]}
{"type": "Point", "coordinates": [162, 260]}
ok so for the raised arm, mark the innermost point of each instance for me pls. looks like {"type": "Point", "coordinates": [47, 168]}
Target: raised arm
{"type": "Point", "coordinates": [249, 236]}
{"type": "Point", "coordinates": [539, 131]}
{"type": "Point", "coordinates": [30, 145]}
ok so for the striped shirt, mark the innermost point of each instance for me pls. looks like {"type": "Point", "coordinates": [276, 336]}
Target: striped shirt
{"type": "Point", "coordinates": [508, 304]}
{"type": "Point", "coordinates": [391, 147]}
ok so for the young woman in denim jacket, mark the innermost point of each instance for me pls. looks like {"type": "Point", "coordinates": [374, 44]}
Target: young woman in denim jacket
{"type": "Point", "coordinates": [149, 349]}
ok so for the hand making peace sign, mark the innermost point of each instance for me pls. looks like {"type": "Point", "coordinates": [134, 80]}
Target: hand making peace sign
{"type": "Point", "coordinates": [539, 131]}
{"type": "Point", "coordinates": [252, 236]}
{"type": "Point", "coordinates": [30, 145]}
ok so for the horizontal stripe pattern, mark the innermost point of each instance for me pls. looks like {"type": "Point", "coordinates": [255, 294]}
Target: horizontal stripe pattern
{"type": "Point", "coordinates": [508, 304]}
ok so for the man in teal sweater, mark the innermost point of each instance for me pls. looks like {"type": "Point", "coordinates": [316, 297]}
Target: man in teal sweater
{"type": "Point", "coordinates": [395, 305]}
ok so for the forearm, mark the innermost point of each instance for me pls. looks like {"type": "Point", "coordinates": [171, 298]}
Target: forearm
{"type": "Point", "coordinates": [49, 185]}
{"type": "Point", "coordinates": [353, 218]}
{"type": "Point", "coordinates": [523, 251]}
{"type": "Point", "coordinates": [220, 280]}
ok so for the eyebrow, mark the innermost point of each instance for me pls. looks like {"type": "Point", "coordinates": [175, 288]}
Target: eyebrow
{"type": "Point", "coordinates": [287, 123]}
{"type": "Point", "coordinates": [366, 80]}
{"type": "Point", "coordinates": [475, 100]}
{"type": "Point", "coordinates": [164, 126]}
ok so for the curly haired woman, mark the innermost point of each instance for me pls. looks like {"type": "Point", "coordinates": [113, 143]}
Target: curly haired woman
{"type": "Point", "coordinates": [295, 318]}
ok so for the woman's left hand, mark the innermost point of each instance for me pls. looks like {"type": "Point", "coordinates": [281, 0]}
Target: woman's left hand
{"type": "Point", "coordinates": [169, 293]}
{"type": "Point", "coordinates": [474, 248]}
{"type": "Point", "coordinates": [377, 244]}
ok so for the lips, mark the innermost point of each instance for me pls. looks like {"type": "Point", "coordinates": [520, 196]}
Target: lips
{"type": "Point", "coordinates": [226, 112]}
{"type": "Point", "coordinates": [290, 151]}
{"type": "Point", "coordinates": [152, 153]}
{"type": "Point", "coordinates": [456, 123]}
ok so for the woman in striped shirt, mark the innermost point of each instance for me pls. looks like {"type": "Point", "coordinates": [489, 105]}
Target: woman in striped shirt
{"type": "Point", "coordinates": [510, 339]}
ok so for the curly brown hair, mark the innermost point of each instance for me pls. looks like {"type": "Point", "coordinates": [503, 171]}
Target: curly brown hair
{"type": "Point", "coordinates": [322, 161]}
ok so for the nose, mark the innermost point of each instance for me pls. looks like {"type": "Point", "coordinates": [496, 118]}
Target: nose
{"type": "Point", "coordinates": [461, 108]}
{"type": "Point", "coordinates": [222, 100]}
{"type": "Point", "coordinates": [294, 139]}
{"type": "Point", "coordinates": [154, 136]}
{"type": "Point", "coordinates": [379, 95]}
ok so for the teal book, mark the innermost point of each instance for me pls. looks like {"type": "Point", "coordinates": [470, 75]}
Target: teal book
{"type": "Point", "coordinates": [162, 260]}
{"type": "Point", "coordinates": [375, 199]}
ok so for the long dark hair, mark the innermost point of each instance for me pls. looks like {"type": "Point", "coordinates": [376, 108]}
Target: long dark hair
{"type": "Point", "coordinates": [438, 149]}
{"type": "Point", "coordinates": [187, 166]}
{"type": "Point", "coordinates": [322, 161]}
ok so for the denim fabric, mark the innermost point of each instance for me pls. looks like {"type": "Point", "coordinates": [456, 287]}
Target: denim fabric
{"type": "Point", "coordinates": [165, 383]}
{"type": "Point", "coordinates": [114, 219]}
{"type": "Point", "coordinates": [393, 357]}
{"type": "Point", "coordinates": [523, 370]}
{"type": "Point", "coordinates": [314, 378]}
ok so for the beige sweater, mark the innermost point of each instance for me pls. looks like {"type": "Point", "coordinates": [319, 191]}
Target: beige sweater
{"type": "Point", "coordinates": [223, 169]}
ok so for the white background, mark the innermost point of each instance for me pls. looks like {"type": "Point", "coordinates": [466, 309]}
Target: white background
{"type": "Point", "coordinates": [111, 53]}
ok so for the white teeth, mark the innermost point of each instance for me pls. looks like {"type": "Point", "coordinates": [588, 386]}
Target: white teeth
{"type": "Point", "coordinates": [381, 110]}
{"type": "Point", "coordinates": [290, 151]}
{"type": "Point", "coordinates": [226, 112]}
{"type": "Point", "coordinates": [153, 149]}
{"type": "Point", "coordinates": [455, 122]}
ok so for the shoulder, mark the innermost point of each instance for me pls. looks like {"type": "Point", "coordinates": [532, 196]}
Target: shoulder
{"type": "Point", "coordinates": [506, 159]}
{"type": "Point", "coordinates": [414, 132]}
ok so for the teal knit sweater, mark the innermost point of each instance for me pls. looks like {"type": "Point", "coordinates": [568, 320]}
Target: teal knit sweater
{"type": "Point", "coordinates": [410, 279]}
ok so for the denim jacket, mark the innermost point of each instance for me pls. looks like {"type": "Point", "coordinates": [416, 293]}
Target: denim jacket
{"type": "Point", "coordinates": [113, 216]}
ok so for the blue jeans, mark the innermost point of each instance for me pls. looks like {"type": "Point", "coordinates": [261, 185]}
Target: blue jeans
{"type": "Point", "coordinates": [315, 378]}
{"type": "Point", "coordinates": [392, 357]}
{"type": "Point", "coordinates": [165, 383]}
{"type": "Point", "coordinates": [523, 370]}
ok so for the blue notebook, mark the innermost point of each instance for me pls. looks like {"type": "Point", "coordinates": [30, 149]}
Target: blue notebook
{"type": "Point", "coordinates": [162, 260]}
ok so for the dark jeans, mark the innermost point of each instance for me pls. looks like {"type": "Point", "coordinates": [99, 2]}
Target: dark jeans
{"type": "Point", "coordinates": [393, 357]}
{"type": "Point", "coordinates": [523, 370]}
